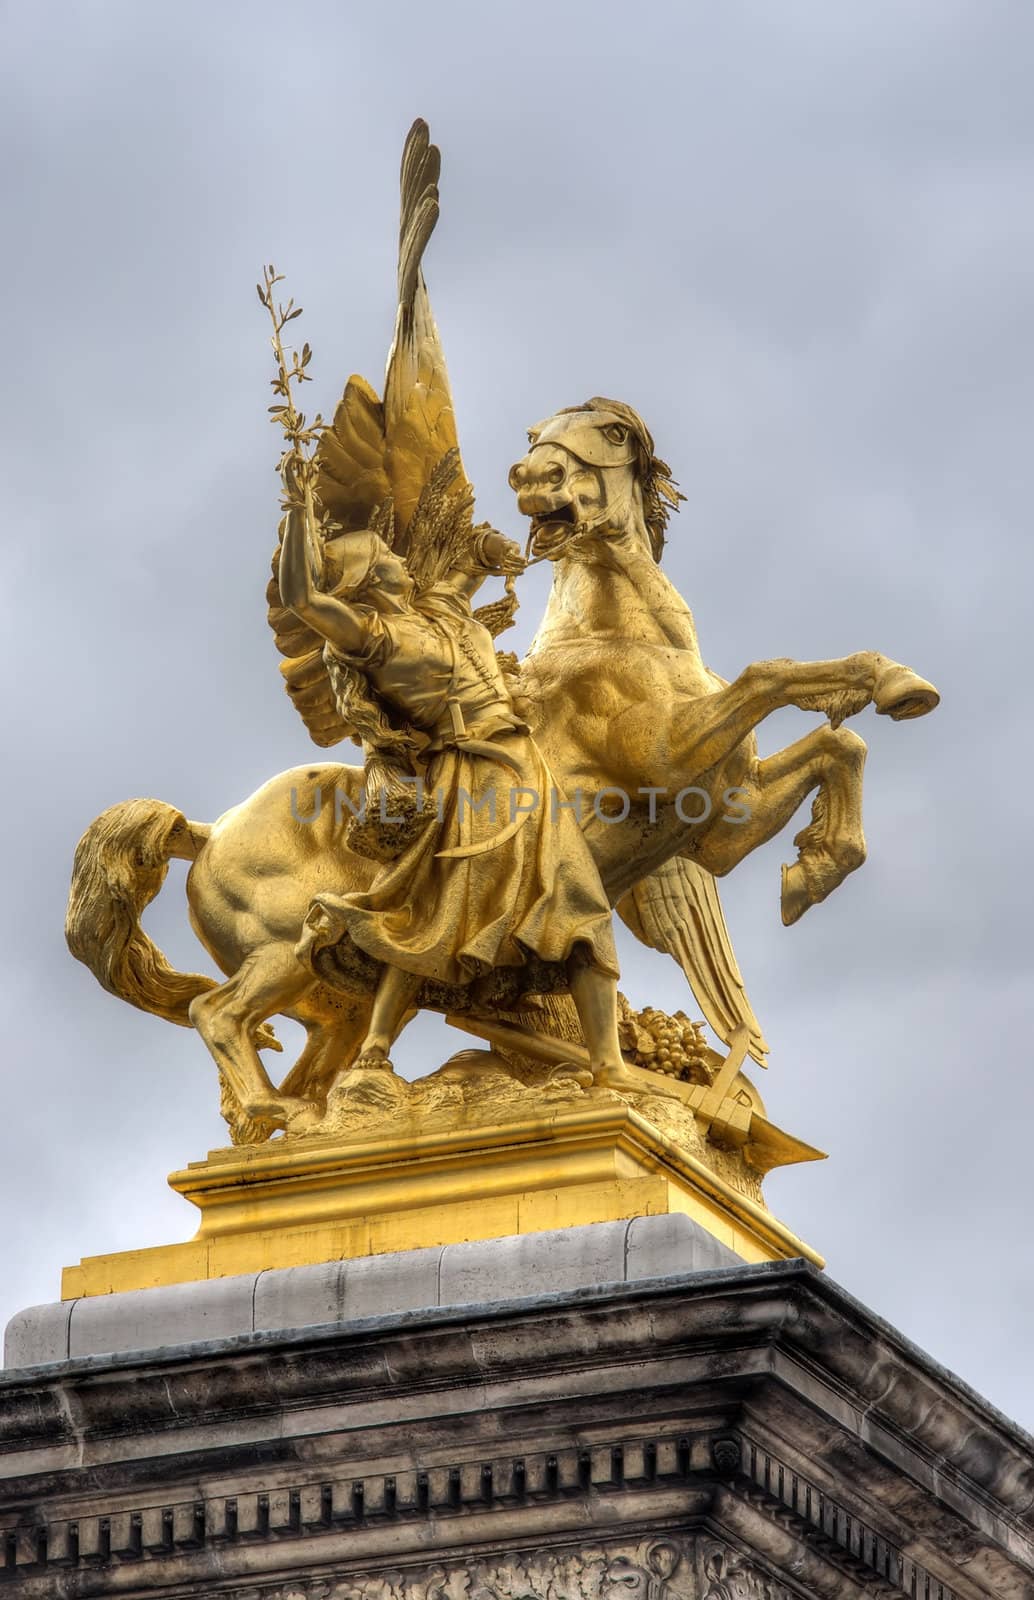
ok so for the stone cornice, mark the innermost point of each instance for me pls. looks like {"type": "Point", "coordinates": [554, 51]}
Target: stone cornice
{"type": "Point", "coordinates": [715, 1349]}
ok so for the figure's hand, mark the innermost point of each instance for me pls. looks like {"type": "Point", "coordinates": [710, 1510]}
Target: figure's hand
{"type": "Point", "coordinates": [293, 475]}
{"type": "Point", "coordinates": [500, 554]}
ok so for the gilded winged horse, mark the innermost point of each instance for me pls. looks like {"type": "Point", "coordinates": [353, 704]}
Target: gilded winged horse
{"type": "Point", "coordinates": [616, 695]}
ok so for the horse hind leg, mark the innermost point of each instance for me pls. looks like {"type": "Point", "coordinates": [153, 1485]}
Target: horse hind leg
{"type": "Point", "coordinates": [330, 1048]}
{"type": "Point", "coordinates": [270, 980]}
{"type": "Point", "coordinates": [829, 760]}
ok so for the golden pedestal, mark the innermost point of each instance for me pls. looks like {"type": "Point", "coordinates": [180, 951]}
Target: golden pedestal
{"type": "Point", "coordinates": [434, 1171]}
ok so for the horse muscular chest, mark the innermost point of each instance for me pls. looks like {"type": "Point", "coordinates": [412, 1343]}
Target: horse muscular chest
{"type": "Point", "coordinates": [604, 708]}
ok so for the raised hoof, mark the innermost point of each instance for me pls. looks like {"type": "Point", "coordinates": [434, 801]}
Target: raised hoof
{"type": "Point", "coordinates": [900, 693]}
{"type": "Point", "coordinates": [796, 896]}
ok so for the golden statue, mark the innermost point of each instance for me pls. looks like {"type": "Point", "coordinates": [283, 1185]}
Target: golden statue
{"type": "Point", "coordinates": [471, 864]}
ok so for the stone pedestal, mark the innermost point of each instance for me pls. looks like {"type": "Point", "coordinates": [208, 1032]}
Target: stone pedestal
{"type": "Point", "coordinates": [493, 1342]}
{"type": "Point", "coordinates": [746, 1432]}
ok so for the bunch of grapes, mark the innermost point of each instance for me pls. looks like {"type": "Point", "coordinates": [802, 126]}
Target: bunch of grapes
{"type": "Point", "coordinates": [661, 1043]}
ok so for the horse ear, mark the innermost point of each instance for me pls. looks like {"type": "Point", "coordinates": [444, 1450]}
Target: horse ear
{"type": "Point", "coordinates": [714, 1567]}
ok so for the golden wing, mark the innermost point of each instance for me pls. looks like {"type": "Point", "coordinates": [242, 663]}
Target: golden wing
{"type": "Point", "coordinates": [392, 464]}
{"type": "Point", "coordinates": [677, 910]}
{"type": "Point", "coordinates": [405, 448]}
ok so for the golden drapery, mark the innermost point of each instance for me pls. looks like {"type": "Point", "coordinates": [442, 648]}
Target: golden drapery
{"type": "Point", "coordinates": [537, 894]}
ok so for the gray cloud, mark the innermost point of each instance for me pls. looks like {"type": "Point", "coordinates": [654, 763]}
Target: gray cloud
{"type": "Point", "coordinates": [798, 238]}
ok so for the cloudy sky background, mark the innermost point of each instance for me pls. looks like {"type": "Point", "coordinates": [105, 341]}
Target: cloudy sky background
{"type": "Point", "coordinates": [799, 238]}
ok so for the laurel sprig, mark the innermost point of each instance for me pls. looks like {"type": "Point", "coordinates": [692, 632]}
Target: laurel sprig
{"type": "Point", "coordinates": [302, 436]}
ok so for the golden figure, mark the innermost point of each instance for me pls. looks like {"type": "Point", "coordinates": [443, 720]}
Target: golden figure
{"type": "Point", "coordinates": [468, 893]}
{"type": "Point", "coordinates": [644, 763]}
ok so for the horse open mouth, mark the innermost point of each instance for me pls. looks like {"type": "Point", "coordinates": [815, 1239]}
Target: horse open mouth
{"type": "Point", "coordinates": [547, 523]}
{"type": "Point", "coordinates": [552, 530]}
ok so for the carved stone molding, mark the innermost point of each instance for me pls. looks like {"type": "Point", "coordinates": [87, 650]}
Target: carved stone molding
{"type": "Point", "coordinates": [729, 1576]}
{"type": "Point", "coordinates": [715, 1407]}
{"type": "Point", "coordinates": [151, 1535]}
{"type": "Point", "coordinates": [650, 1569]}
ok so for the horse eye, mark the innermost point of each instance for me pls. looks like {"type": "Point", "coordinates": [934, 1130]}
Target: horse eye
{"type": "Point", "coordinates": [616, 432]}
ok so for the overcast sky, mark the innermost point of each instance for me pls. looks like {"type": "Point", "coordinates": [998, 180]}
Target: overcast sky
{"type": "Point", "coordinates": [799, 238]}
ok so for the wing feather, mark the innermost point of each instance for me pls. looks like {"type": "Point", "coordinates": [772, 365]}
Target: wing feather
{"type": "Point", "coordinates": [351, 466]}
{"type": "Point", "coordinates": [394, 465]}
{"type": "Point", "coordinates": [677, 910]}
{"type": "Point", "coordinates": [419, 419]}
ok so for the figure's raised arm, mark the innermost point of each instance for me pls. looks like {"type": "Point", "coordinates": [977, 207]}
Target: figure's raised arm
{"type": "Point", "coordinates": [301, 569]}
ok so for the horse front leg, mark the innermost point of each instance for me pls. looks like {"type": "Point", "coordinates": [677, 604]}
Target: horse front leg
{"type": "Point", "coordinates": [830, 760]}
{"type": "Point", "coordinates": [706, 729]}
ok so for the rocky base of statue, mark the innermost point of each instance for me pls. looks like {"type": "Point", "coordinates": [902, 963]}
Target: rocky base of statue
{"type": "Point", "coordinates": [481, 1088]}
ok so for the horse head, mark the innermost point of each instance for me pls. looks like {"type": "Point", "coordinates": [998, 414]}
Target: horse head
{"type": "Point", "coordinates": [590, 477]}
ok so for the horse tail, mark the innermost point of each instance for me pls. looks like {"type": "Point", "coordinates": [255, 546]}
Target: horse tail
{"type": "Point", "coordinates": [120, 865]}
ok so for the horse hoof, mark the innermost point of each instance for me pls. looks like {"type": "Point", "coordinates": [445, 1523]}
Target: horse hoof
{"type": "Point", "coordinates": [900, 693]}
{"type": "Point", "coordinates": [304, 1119]}
{"type": "Point", "coordinates": [796, 896]}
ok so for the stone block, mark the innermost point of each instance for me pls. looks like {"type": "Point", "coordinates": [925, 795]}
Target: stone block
{"type": "Point", "coordinates": [378, 1286]}
{"type": "Point", "coordinates": [146, 1319]}
{"type": "Point", "coordinates": [299, 1297]}
{"type": "Point", "coordinates": [478, 1272]}
{"type": "Point", "coordinates": [658, 1247]}
{"type": "Point", "coordinates": [533, 1264]}
{"type": "Point", "coordinates": [38, 1334]}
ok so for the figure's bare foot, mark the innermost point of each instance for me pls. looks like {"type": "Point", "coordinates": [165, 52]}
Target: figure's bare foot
{"type": "Point", "coordinates": [369, 1088]}
{"type": "Point", "coordinates": [614, 1075]}
{"type": "Point", "coordinates": [625, 1079]}
{"type": "Point", "coordinates": [372, 1060]}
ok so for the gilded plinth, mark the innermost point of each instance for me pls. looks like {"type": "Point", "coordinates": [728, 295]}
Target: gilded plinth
{"type": "Point", "coordinates": [470, 1152]}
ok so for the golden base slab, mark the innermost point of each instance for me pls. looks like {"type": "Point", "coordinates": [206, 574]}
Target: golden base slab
{"type": "Point", "coordinates": [296, 1202]}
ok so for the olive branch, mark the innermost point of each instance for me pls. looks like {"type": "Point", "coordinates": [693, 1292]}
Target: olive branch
{"type": "Point", "coordinates": [290, 365]}
{"type": "Point", "coordinates": [302, 436]}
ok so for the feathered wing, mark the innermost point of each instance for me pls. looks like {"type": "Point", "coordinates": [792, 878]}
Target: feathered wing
{"type": "Point", "coordinates": [677, 910]}
{"type": "Point", "coordinates": [405, 448]}
{"type": "Point", "coordinates": [392, 464]}
{"type": "Point", "coordinates": [419, 419]}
